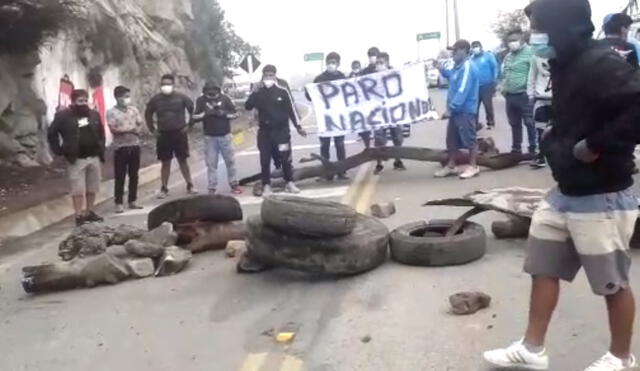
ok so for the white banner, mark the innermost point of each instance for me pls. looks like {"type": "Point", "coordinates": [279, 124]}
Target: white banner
{"type": "Point", "coordinates": [381, 100]}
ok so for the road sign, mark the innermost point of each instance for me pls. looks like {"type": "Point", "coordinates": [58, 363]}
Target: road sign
{"type": "Point", "coordinates": [429, 36]}
{"type": "Point", "coordinates": [313, 57]}
{"type": "Point", "coordinates": [250, 63]}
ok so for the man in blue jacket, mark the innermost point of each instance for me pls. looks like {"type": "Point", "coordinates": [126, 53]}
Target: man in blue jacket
{"type": "Point", "coordinates": [487, 67]}
{"type": "Point", "coordinates": [462, 104]}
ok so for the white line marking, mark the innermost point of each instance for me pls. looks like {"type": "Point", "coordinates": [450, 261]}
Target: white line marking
{"type": "Point", "coordinates": [295, 148]}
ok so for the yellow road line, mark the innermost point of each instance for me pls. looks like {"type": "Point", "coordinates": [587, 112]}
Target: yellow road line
{"type": "Point", "coordinates": [356, 186]}
{"type": "Point", "coordinates": [364, 201]}
{"type": "Point", "coordinates": [254, 362]}
{"type": "Point", "coordinates": [291, 364]}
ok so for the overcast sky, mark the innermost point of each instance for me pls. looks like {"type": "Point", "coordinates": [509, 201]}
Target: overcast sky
{"type": "Point", "coordinates": [287, 29]}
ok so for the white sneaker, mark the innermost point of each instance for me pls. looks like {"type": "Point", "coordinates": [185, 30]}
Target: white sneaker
{"type": "Point", "coordinates": [445, 172]}
{"type": "Point", "coordinates": [470, 172]}
{"type": "Point", "coordinates": [267, 191]}
{"type": "Point", "coordinates": [517, 356]}
{"type": "Point", "coordinates": [609, 362]}
{"type": "Point", "coordinates": [292, 188]}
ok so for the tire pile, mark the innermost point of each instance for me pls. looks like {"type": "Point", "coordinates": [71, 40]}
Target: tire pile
{"type": "Point", "coordinates": [316, 236]}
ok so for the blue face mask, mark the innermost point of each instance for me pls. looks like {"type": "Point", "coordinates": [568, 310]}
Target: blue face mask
{"type": "Point", "coordinates": [541, 47]}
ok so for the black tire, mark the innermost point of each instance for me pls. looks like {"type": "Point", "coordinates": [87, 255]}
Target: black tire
{"type": "Point", "coordinates": [307, 217]}
{"type": "Point", "coordinates": [361, 251]}
{"type": "Point", "coordinates": [424, 244]}
{"type": "Point", "coordinates": [206, 208]}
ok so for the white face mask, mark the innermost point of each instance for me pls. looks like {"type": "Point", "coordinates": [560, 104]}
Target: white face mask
{"type": "Point", "coordinates": [126, 101]}
{"type": "Point", "coordinates": [166, 89]}
{"type": "Point", "coordinates": [269, 83]}
{"type": "Point", "coordinates": [514, 46]}
{"type": "Point", "coordinates": [356, 70]}
{"type": "Point", "coordinates": [476, 51]}
{"type": "Point", "coordinates": [332, 67]}
{"type": "Point", "coordinates": [539, 39]}
{"type": "Point", "coordinates": [381, 67]}
{"type": "Point", "coordinates": [373, 60]}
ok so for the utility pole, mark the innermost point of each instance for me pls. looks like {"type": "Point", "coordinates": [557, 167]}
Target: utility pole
{"type": "Point", "coordinates": [446, 6]}
{"type": "Point", "coordinates": [456, 19]}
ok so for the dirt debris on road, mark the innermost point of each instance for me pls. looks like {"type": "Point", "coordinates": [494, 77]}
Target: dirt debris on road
{"type": "Point", "coordinates": [466, 303]}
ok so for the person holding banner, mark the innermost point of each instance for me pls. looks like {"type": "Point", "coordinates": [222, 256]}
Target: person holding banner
{"type": "Point", "coordinates": [373, 54]}
{"type": "Point", "coordinates": [356, 69]}
{"type": "Point", "coordinates": [331, 74]}
{"type": "Point", "coordinates": [83, 144]}
{"type": "Point", "coordinates": [275, 109]}
{"type": "Point", "coordinates": [462, 104]}
{"type": "Point", "coordinates": [396, 132]}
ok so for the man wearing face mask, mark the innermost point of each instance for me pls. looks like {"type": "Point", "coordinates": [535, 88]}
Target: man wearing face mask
{"type": "Point", "coordinates": [275, 110]}
{"type": "Point", "coordinates": [125, 123]}
{"type": "Point", "coordinates": [396, 133]}
{"type": "Point", "coordinates": [516, 68]}
{"type": "Point", "coordinates": [170, 109]}
{"type": "Point", "coordinates": [216, 111]}
{"type": "Point", "coordinates": [616, 29]}
{"type": "Point", "coordinates": [332, 74]}
{"type": "Point", "coordinates": [487, 67]}
{"type": "Point", "coordinates": [588, 220]}
{"type": "Point", "coordinates": [77, 134]}
{"type": "Point", "coordinates": [373, 54]}
{"type": "Point", "coordinates": [356, 69]}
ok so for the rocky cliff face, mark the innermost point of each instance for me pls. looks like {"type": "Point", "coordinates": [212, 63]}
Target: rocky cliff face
{"type": "Point", "coordinates": [130, 42]}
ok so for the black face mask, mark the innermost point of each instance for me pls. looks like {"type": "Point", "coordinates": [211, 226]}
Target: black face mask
{"type": "Point", "coordinates": [212, 96]}
{"type": "Point", "coordinates": [82, 110]}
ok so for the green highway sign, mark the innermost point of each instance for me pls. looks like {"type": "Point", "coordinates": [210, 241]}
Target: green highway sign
{"type": "Point", "coordinates": [428, 36]}
{"type": "Point", "coordinates": [314, 57]}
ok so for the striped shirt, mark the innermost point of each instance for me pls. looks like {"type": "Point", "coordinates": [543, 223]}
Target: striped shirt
{"type": "Point", "coordinates": [516, 70]}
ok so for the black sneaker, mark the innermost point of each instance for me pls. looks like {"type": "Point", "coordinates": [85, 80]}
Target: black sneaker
{"type": "Point", "coordinates": [92, 217]}
{"type": "Point", "coordinates": [399, 165]}
{"type": "Point", "coordinates": [258, 190]}
{"type": "Point", "coordinates": [81, 220]}
{"type": "Point", "coordinates": [343, 177]}
{"type": "Point", "coordinates": [538, 163]}
{"type": "Point", "coordinates": [378, 170]}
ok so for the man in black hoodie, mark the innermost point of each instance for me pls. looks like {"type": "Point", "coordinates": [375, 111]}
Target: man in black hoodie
{"type": "Point", "coordinates": [82, 133]}
{"type": "Point", "coordinates": [331, 74]}
{"type": "Point", "coordinates": [275, 109]}
{"type": "Point", "coordinates": [588, 220]}
{"type": "Point", "coordinates": [216, 111]}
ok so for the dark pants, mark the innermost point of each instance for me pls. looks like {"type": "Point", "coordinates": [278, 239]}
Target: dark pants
{"type": "Point", "coordinates": [486, 98]}
{"type": "Point", "coordinates": [519, 113]}
{"type": "Point", "coordinates": [126, 162]}
{"type": "Point", "coordinates": [366, 139]}
{"type": "Point", "coordinates": [275, 143]}
{"type": "Point", "coordinates": [325, 147]}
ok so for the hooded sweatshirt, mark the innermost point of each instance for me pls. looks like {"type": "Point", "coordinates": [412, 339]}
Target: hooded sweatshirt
{"type": "Point", "coordinates": [596, 97]}
{"type": "Point", "coordinates": [214, 112]}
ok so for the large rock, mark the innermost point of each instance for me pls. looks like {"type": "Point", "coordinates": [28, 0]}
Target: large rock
{"type": "Point", "coordinates": [140, 268]}
{"type": "Point", "coordinates": [144, 249]}
{"type": "Point", "coordinates": [173, 261]}
{"type": "Point", "coordinates": [164, 235]}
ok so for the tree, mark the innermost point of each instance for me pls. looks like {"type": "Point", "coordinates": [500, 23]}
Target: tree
{"type": "Point", "coordinates": [508, 21]}
{"type": "Point", "coordinates": [215, 47]}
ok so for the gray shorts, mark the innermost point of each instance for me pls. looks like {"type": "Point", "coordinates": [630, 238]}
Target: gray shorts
{"type": "Point", "coordinates": [593, 232]}
{"type": "Point", "coordinates": [84, 176]}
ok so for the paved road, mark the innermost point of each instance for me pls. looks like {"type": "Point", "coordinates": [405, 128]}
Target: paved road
{"type": "Point", "coordinates": [210, 318]}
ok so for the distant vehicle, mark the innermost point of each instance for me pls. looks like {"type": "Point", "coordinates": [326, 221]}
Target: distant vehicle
{"type": "Point", "coordinates": [236, 91]}
{"type": "Point", "coordinates": [435, 78]}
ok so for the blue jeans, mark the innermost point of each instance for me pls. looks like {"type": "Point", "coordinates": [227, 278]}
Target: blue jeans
{"type": "Point", "coordinates": [214, 147]}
